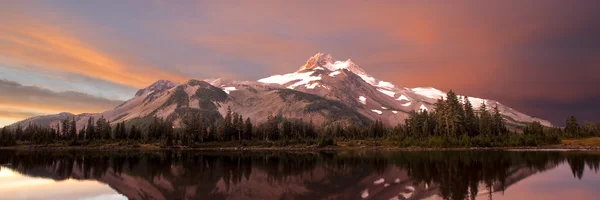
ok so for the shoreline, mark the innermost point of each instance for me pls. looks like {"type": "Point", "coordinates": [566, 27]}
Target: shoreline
{"type": "Point", "coordinates": [298, 148]}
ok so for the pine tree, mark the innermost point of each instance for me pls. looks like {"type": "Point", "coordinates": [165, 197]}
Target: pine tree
{"type": "Point", "coordinates": [193, 127]}
{"type": "Point", "coordinates": [19, 132]}
{"type": "Point", "coordinates": [65, 129]}
{"type": "Point", "coordinates": [499, 126]}
{"type": "Point", "coordinates": [73, 129]}
{"type": "Point", "coordinates": [454, 116]}
{"type": "Point", "coordinates": [485, 121]}
{"type": "Point", "coordinates": [90, 129]}
{"type": "Point", "coordinates": [133, 133]}
{"type": "Point", "coordinates": [439, 117]}
{"type": "Point", "coordinates": [572, 127]}
{"type": "Point", "coordinates": [471, 124]}
{"type": "Point", "coordinates": [248, 129]}
{"type": "Point", "coordinates": [81, 134]}
{"type": "Point", "coordinates": [228, 133]}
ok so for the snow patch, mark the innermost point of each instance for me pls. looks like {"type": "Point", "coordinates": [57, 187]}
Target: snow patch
{"type": "Point", "coordinates": [386, 185]}
{"type": "Point", "coordinates": [368, 79]}
{"type": "Point", "coordinates": [429, 92]}
{"type": "Point", "coordinates": [377, 111]}
{"type": "Point", "coordinates": [476, 102]}
{"type": "Point", "coordinates": [395, 112]}
{"type": "Point", "coordinates": [406, 195]}
{"type": "Point", "coordinates": [364, 194]}
{"type": "Point", "coordinates": [423, 108]}
{"type": "Point", "coordinates": [379, 181]}
{"type": "Point", "coordinates": [303, 78]}
{"type": "Point", "coordinates": [311, 86]}
{"type": "Point", "coordinates": [229, 89]}
{"type": "Point", "coordinates": [402, 97]}
{"type": "Point", "coordinates": [397, 180]}
{"type": "Point", "coordinates": [386, 85]}
{"type": "Point", "coordinates": [362, 100]}
{"type": "Point", "coordinates": [384, 108]}
{"type": "Point", "coordinates": [406, 104]}
{"type": "Point", "coordinates": [333, 74]}
{"type": "Point", "coordinates": [387, 92]}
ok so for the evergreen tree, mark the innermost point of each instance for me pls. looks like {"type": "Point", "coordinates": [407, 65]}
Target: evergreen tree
{"type": "Point", "coordinates": [471, 124]}
{"type": "Point", "coordinates": [440, 117]}
{"type": "Point", "coordinates": [73, 129]}
{"type": "Point", "coordinates": [134, 133]}
{"type": "Point", "coordinates": [193, 127]}
{"type": "Point", "coordinates": [103, 129]}
{"type": "Point", "coordinates": [485, 121]}
{"type": "Point", "coordinates": [572, 127]}
{"type": "Point", "coordinates": [19, 132]}
{"type": "Point", "coordinates": [454, 115]}
{"type": "Point", "coordinates": [81, 134]}
{"type": "Point", "coordinates": [90, 129]}
{"type": "Point", "coordinates": [65, 129]}
{"type": "Point", "coordinates": [247, 129]}
{"type": "Point", "coordinates": [499, 126]}
{"type": "Point", "coordinates": [228, 132]}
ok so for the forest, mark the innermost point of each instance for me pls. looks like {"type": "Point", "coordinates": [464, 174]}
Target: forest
{"type": "Point", "coordinates": [451, 124]}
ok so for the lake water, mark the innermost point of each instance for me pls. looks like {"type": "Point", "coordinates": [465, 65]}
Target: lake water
{"type": "Point", "coordinates": [299, 175]}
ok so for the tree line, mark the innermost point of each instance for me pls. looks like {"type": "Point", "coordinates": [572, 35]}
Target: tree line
{"type": "Point", "coordinates": [453, 123]}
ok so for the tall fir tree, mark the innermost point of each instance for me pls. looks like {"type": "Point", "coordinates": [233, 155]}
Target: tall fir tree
{"type": "Point", "coordinates": [572, 127]}
{"type": "Point", "coordinates": [248, 129]}
{"type": "Point", "coordinates": [471, 124]}
{"type": "Point", "coordinates": [90, 129]}
{"type": "Point", "coordinates": [498, 124]}
{"type": "Point", "coordinates": [485, 120]}
{"type": "Point", "coordinates": [73, 129]}
{"type": "Point", "coordinates": [65, 128]}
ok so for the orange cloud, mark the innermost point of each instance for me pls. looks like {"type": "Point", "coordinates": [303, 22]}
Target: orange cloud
{"type": "Point", "coordinates": [19, 102]}
{"type": "Point", "coordinates": [29, 42]}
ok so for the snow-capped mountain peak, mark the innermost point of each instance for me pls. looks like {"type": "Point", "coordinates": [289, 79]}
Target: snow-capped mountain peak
{"type": "Point", "coordinates": [321, 72]}
{"type": "Point", "coordinates": [321, 61]}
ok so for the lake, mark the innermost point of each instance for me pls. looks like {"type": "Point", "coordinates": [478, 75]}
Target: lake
{"type": "Point", "coordinates": [67, 174]}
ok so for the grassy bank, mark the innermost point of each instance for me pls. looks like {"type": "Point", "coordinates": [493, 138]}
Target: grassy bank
{"type": "Point", "coordinates": [582, 142]}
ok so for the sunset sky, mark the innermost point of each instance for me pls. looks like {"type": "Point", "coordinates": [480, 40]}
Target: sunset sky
{"type": "Point", "coordinates": [539, 57]}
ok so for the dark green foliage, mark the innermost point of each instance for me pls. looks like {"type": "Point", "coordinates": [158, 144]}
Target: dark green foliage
{"type": "Point", "coordinates": [73, 130]}
{"type": "Point", "coordinates": [453, 125]}
{"type": "Point", "coordinates": [7, 137]}
{"type": "Point", "coordinates": [471, 121]}
{"type": "Point", "coordinates": [325, 140]}
{"type": "Point", "coordinates": [572, 128]}
{"type": "Point", "coordinates": [120, 131]}
{"type": "Point", "coordinates": [103, 129]}
{"type": "Point", "coordinates": [90, 130]}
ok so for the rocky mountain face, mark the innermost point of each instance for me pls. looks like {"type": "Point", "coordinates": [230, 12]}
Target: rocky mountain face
{"type": "Point", "coordinates": [323, 90]}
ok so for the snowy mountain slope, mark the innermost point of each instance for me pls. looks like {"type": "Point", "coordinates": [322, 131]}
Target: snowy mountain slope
{"type": "Point", "coordinates": [322, 90]}
{"type": "Point", "coordinates": [337, 80]}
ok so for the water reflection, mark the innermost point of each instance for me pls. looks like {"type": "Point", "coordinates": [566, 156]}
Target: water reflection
{"type": "Point", "coordinates": [297, 175]}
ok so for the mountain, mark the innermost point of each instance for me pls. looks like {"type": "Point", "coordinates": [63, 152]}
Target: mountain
{"type": "Point", "coordinates": [345, 81]}
{"type": "Point", "coordinates": [322, 90]}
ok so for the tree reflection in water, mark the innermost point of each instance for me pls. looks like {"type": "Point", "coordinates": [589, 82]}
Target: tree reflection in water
{"type": "Point", "coordinates": [297, 175]}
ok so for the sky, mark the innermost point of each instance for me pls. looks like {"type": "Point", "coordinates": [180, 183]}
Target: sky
{"type": "Point", "coordinates": [541, 57]}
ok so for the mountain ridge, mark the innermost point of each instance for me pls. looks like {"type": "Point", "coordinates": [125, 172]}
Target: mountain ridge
{"type": "Point", "coordinates": [323, 90]}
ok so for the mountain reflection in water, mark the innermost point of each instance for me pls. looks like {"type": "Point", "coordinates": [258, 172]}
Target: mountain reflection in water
{"type": "Point", "coordinates": [299, 175]}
